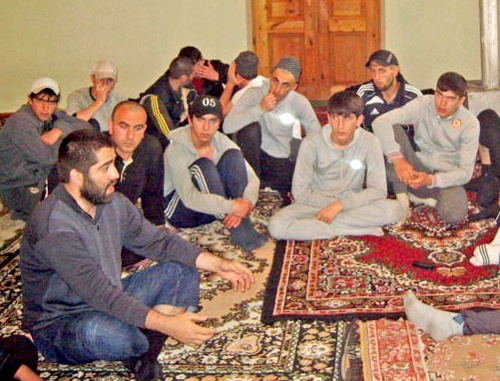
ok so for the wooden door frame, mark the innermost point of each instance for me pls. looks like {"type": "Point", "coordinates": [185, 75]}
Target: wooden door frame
{"type": "Point", "coordinates": [265, 64]}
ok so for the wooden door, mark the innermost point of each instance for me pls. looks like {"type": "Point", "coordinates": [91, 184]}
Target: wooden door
{"type": "Point", "coordinates": [331, 38]}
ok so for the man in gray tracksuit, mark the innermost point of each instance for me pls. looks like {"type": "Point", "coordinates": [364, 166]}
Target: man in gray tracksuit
{"type": "Point", "coordinates": [328, 184]}
{"type": "Point", "coordinates": [446, 143]}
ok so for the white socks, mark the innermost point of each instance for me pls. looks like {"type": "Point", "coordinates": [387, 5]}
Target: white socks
{"type": "Point", "coordinates": [439, 324]}
{"type": "Point", "coordinates": [496, 240]}
{"type": "Point", "coordinates": [487, 254]}
{"type": "Point", "coordinates": [405, 205]}
{"type": "Point", "coordinates": [432, 202]}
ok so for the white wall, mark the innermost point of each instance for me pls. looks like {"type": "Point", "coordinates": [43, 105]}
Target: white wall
{"type": "Point", "coordinates": [63, 38]}
{"type": "Point", "coordinates": [431, 37]}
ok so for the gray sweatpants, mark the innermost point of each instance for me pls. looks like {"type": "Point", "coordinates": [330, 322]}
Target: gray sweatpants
{"type": "Point", "coordinates": [298, 221]}
{"type": "Point", "coordinates": [481, 322]}
{"type": "Point", "coordinates": [451, 202]}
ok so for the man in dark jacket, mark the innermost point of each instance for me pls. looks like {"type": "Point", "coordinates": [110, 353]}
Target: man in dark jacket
{"type": "Point", "coordinates": [386, 90]}
{"type": "Point", "coordinates": [210, 75]}
{"type": "Point", "coordinates": [167, 100]}
{"type": "Point", "coordinates": [139, 160]}
{"type": "Point", "coordinates": [487, 185]}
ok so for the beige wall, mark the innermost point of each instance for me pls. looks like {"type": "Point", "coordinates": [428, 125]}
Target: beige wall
{"type": "Point", "coordinates": [430, 37]}
{"type": "Point", "coordinates": [62, 39]}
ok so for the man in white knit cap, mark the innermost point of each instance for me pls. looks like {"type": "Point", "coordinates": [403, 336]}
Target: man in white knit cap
{"type": "Point", "coordinates": [282, 114]}
{"type": "Point", "coordinates": [29, 141]}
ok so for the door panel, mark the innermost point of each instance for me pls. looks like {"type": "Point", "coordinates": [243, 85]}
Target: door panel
{"type": "Point", "coordinates": [331, 38]}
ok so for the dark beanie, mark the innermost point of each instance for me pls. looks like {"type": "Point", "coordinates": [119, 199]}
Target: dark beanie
{"type": "Point", "coordinates": [247, 64]}
{"type": "Point", "coordinates": [290, 64]}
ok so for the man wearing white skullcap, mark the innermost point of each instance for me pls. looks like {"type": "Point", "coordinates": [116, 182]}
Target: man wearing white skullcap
{"type": "Point", "coordinates": [282, 114]}
{"type": "Point", "coordinates": [29, 142]}
{"type": "Point", "coordinates": [96, 103]}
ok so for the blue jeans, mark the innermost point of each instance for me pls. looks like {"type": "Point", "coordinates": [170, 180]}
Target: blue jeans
{"type": "Point", "coordinates": [22, 200]}
{"type": "Point", "coordinates": [92, 335]}
{"type": "Point", "coordinates": [228, 179]}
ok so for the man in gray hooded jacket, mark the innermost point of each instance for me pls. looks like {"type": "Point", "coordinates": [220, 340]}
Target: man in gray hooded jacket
{"type": "Point", "coordinates": [207, 178]}
{"type": "Point", "coordinates": [328, 184]}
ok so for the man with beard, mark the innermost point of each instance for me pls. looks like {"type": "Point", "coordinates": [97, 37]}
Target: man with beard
{"type": "Point", "coordinates": [387, 89]}
{"type": "Point", "coordinates": [76, 306]}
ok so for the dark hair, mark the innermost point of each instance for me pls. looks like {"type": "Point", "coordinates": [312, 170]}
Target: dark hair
{"type": "Point", "coordinates": [191, 52]}
{"type": "Point", "coordinates": [452, 82]}
{"type": "Point", "coordinates": [180, 66]}
{"type": "Point", "coordinates": [48, 92]}
{"type": "Point", "coordinates": [131, 104]}
{"type": "Point", "coordinates": [345, 103]}
{"type": "Point", "coordinates": [78, 151]}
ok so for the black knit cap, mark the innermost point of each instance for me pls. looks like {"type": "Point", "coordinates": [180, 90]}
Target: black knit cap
{"type": "Point", "coordinates": [383, 58]}
{"type": "Point", "coordinates": [290, 64]}
{"type": "Point", "coordinates": [247, 64]}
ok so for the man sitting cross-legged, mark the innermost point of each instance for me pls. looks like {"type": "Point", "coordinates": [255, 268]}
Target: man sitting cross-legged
{"type": "Point", "coordinates": [207, 177]}
{"type": "Point", "coordinates": [332, 166]}
{"type": "Point", "coordinates": [76, 306]}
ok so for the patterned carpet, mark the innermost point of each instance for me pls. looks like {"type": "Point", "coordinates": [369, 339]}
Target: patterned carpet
{"type": "Point", "coordinates": [417, 357]}
{"type": "Point", "coordinates": [290, 349]}
{"type": "Point", "coordinates": [365, 277]}
{"type": "Point", "coordinates": [244, 348]}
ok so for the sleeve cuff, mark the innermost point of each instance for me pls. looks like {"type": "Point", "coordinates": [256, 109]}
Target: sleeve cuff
{"type": "Point", "coordinates": [393, 156]}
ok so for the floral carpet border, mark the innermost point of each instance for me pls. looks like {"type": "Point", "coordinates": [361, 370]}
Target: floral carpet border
{"type": "Point", "coordinates": [354, 277]}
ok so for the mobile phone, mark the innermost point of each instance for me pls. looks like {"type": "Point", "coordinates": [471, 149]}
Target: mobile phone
{"type": "Point", "coordinates": [424, 265]}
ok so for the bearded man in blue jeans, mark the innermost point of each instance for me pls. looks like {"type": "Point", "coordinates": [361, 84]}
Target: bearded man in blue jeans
{"type": "Point", "coordinates": [76, 306]}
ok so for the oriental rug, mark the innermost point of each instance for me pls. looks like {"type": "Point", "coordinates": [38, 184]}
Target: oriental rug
{"type": "Point", "coordinates": [366, 277]}
{"type": "Point", "coordinates": [243, 349]}
{"type": "Point", "coordinates": [392, 350]}
{"type": "Point", "coordinates": [474, 358]}
{"type": "Point", "coordinates": [397, 351]}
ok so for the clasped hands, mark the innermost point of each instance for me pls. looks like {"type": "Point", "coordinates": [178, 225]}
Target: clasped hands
{"type": "Point", "coordinates": [241, 210]}
{"type": "Point", "coordinates": [407, 174]}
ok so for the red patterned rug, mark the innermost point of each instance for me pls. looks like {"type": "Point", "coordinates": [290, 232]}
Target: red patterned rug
{"type": "Point", "coordinates": [418, 357]}
{"type": "Point", "coordinates": [366, 277]}
{"type": "Point", "coordinates": [382, 360]}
